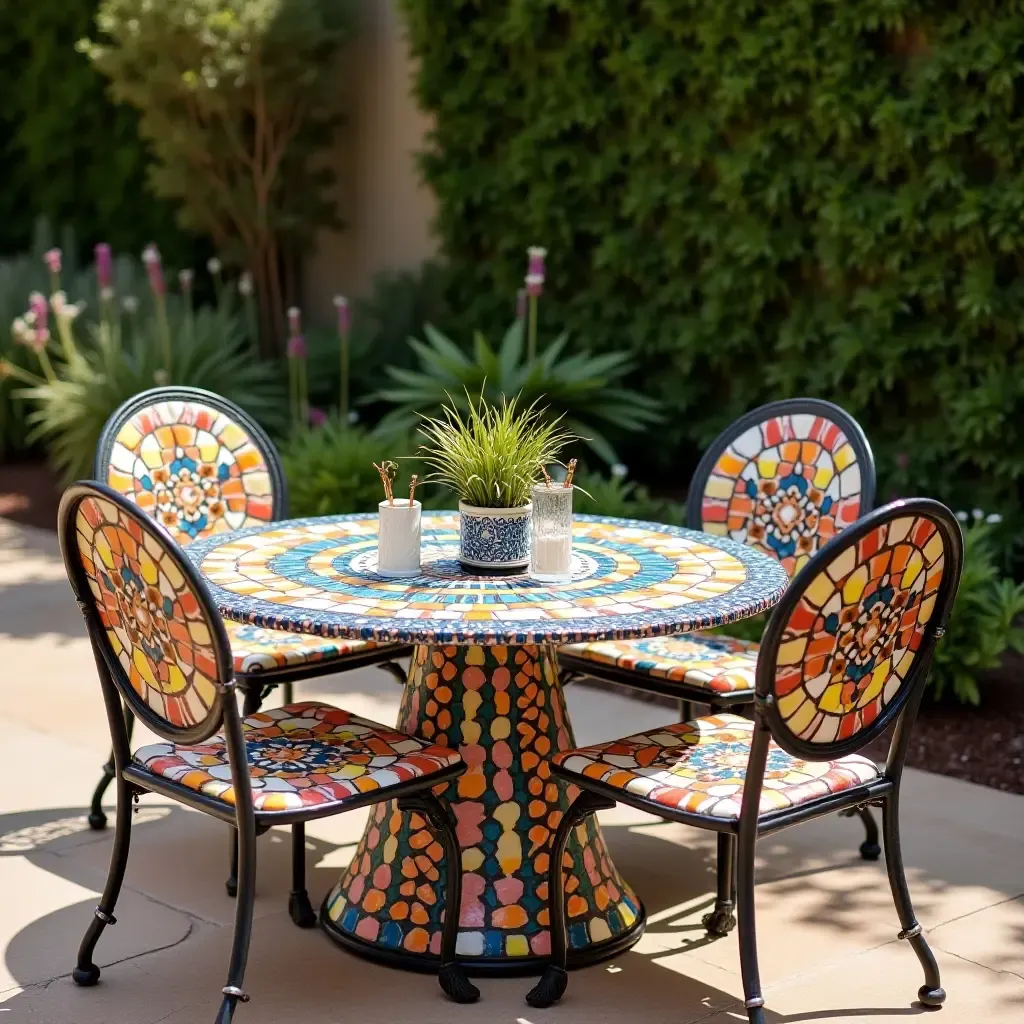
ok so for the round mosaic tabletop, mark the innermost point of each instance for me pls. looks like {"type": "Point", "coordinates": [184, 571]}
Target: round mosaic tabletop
{"type": "Point", "coordinates": [630, 579]}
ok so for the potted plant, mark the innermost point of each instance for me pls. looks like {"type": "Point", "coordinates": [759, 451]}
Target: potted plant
{"type": "Point", "coordinates": [491, 457]}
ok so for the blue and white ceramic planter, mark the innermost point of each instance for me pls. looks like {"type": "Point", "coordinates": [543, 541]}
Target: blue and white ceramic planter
{"type": "Point", "coordinates": [494, 540]}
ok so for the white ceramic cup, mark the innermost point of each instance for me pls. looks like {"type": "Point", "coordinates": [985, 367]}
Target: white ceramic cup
{"type": "Point", "coordinates": [398, 538]}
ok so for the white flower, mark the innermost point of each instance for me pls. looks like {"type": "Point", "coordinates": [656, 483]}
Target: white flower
{"type": "Point", "coordinates": [293, 310]}
{"type": "Point", "coordinates": [106, 294]}
{"type": "Point", "coordinates": [214, 265]}
{"type": "Point", "coordinates": [993, 517]}
{"type": "Point", "coordinates": [533, 280]}
{"type": "Point", "coordinates": [619, 470]}
{"type": "Point", "coordinates": [151, 254]}
{"type": "Point", "coordinates": [58, 303]}
{"type": "Point", "coordinates": [353, 416]}
{"type": "Point", "coordinates": [962, 516]}
{"type": "Point", "coordinates": [537, 252]}
{"type": "Point", "coordinates": [130, 303]}
{"type": "Point", "coordinates": [245, 283]}
{"type": "Point", "coordinates": [20, 328]}
{"type": "Point", "coordinates": [160, 377]}
{"type": "Point", "coordinates": [185, 278]}
{"type": "Point", "coordinates": [977, 514]}
{"type": "Point", "coordinates": [339, 301]}
{"type": "Point", "coordinates": [29, 318]}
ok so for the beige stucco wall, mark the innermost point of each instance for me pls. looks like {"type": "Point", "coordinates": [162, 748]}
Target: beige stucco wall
{"type": "Point", "coordinates": [387, 209]}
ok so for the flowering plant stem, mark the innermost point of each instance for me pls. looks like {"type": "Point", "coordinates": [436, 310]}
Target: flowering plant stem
{"type": "Point", "coordinates": [531, 336]}
{"type": "Point", "coordinates": [343, 398]}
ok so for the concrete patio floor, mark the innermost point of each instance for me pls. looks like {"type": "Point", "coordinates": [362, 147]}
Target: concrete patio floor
{"type": "Point", "coordinates": [826, 924]}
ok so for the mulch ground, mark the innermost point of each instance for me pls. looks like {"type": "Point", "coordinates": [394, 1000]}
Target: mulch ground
{"type": "Point", "coordinates": [983, 745]}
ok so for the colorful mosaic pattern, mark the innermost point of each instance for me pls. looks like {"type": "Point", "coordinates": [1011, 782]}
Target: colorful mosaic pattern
{"type": "Point", "coordinates": [302, 755]}
{"type": "Point", "coordinates": [850, 642]}
{"type": "Point", "coordinates": [192, 468]}
{"type": "Point", "coordinates": [504, 710]}
{"type": "Point", "coordinates": [629, 580]}
{"type": "Point", "coordinates": [153, 620]}
{"type": "Point", "coordinates": [267, 650]}
{"type": "Point", "coordinates": [700, 767]}
{"type": "Point", "coordinates": [785, 486]}
{"type": "Point", "coordinates": [720, 664]}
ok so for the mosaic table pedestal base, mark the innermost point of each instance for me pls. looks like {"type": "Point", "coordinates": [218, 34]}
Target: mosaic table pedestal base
{"type": "Point", "coordinates": [503, 708]}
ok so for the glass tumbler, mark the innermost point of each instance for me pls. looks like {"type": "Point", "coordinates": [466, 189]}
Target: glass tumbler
{"type": "Point", "coordinates": [551, 538]}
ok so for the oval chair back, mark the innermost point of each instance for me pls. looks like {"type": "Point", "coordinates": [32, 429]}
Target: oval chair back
{"type": "Point", "coordinates": [158, 640]}
{"type": "Point", "coordinates": [193, 461]}
{"type": "Point", "coordinates": [849, 646]}
{"type": "Point", "coordinates": [785, 478]}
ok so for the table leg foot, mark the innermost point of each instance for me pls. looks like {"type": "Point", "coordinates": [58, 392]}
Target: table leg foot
{"type": "Point", "coordinates": [456, 985]}
{"type": "Point", "coordinates": [549, 989]}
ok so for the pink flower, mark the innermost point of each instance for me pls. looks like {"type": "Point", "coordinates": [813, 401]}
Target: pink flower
{"type": "Point", "coordinates": [534, 285]}
{"type": "Point", "coordinates": [52, 259]}
{"type": "Point", "coordinates": [344, 314]}
{"type": "Point", "coordinates": [185, 278]}
{"type": "Point", "coordinates": [317, 417]}
{"type": "Point", "coordinates": [40, 309]}
{"type": "Point", "coordinates": [294, 320]}
{"type": "Point", "coordinates": [296, 347]}
{"type": "Point", "coordinates": [154, 269]}
{"type": "Point", "coordinates": [536, 265]}
{"type": "Point", "coordinates": [104, 266]}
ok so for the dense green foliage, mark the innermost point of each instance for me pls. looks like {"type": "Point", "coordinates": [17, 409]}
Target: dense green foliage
{"type": "Point", "coordinates": [235, 98]}
{"type": "Point", "coordinates": [762, 199]}
{"type": "Point", "coordinates": [582, 388]}
{"type": "Point", "coordinates": [67, 152]}
{"type": "Point", "coordinates": [330, 470]}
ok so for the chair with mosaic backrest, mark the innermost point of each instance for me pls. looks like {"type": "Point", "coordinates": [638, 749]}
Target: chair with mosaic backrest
{"type": "Point", "coordinates": [785, 478]}
{"type": "Point", "coordinates": [199, 465]}
{"type": "Point", "coordinates": [845, 656]}
{"type": "Point", "coordinates": [161, 650]}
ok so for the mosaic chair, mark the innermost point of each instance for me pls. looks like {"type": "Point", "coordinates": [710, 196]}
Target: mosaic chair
{"type": "Point", "coordinates": [199, 465]}
{"type": "Point", "coordinates": [162, 651]}
{"type": "Point", "coordinates": [785, 478]}
{"type": "Point", "coordinates": [845, 655]}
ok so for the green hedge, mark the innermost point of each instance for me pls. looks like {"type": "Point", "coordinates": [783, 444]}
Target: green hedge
{"type": "Point", "coordinates": [761, 200]}
{"type": "Point", "coordinates": [66, 152]}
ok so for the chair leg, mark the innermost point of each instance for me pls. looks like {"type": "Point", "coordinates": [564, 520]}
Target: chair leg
{"type": "Point", "coordinates": [233, 993]}
{"type": "Point", "coordinates": [97, 819]}
{"type": "Point", "coordinates": [869, 849]}
{"type": "Point", "coordinates": [452, 976]}
{"type": "Point", "coordinates": [288, 693]}
{"type": "Point", "coordinates": [931, 992]}
{"type": "Point", "coordinates": [752, 998]}
{"type": "Point", "coordinates": [252, 697]}
{"type": "Point", "coordinates": [722, 920]}
{"type": "Point", "coordinates": [554, 980]}
{"type": "Point", "coordinates": [685, 710]}
{"type": "Point", "coordinates": [299, 907]}
{"type": "Point", "coordinates": [86, 972]}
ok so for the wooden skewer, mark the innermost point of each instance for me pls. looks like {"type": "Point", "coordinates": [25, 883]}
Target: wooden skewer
{"type": "Point", "coordinates": [569, 473]}
{"type": "Point", "coordinates": [547, 478]}
{"type": "Point", "coordinates": [412, 488]}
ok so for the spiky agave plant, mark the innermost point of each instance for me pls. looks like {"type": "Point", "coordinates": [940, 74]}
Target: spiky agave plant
{"type": "Point", "coordinates": [491, 455]}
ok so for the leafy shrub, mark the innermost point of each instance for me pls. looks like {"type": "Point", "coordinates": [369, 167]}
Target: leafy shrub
{"type": "Point", "coordinates": [617, 496]}
{"type": "Point", "coordinates": [68, 153]}
{"type": "Point", "coordinates": [93, 357]}
{"type": "Point", "coordinates": [583, 388]}
{"type": "Point", "coordinates": [234, 100]}
{"type": "Point", "coordinates": [19, 277]}
{"type": "Point", "coordinates": [330, 470]}
{"type": "Point", "coordinates": [984, 624]}
{"type": "Point", "coordinates": [760, 200]}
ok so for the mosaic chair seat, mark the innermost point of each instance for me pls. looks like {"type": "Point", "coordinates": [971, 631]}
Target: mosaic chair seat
{"type": "Point", "coordinates": [161, 650]}
{"type": "Point", "coordinates": [199, 466]}
{"type": "Point", "coordinates": [845, 656]}
{"type": "Point", "coordinates": [785, 479]}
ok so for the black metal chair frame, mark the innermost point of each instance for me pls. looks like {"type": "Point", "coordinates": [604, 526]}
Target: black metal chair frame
{"type": "Point", "coordinates": [246, 822]}
{"type": "Point", "coordinates": [722, 920]}
{"type": "Point", "coordinates": [256, 685]}
{"type": "Point", "coordinates": [883, 792]}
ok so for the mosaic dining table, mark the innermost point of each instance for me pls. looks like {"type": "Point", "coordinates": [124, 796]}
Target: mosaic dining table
{"type": "Point", "coordinates": [483, 677]}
